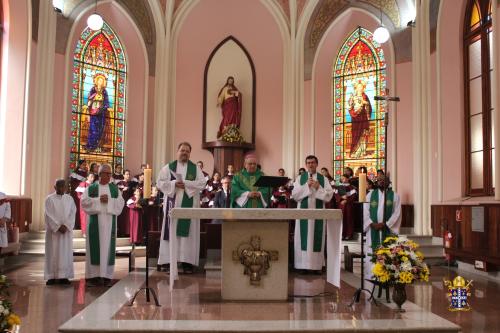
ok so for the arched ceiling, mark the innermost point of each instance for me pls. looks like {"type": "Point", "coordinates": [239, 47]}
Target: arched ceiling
{"type": "Point", "coordinates": [139, 11]}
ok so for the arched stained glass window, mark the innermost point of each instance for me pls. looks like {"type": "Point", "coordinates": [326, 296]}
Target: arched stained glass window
{"type": "Point", "coordinates": [98, 99]}
{"type": "Point", "coordinates": [479, 111]}
{"type": "Point", "coordinates": [358, 76]}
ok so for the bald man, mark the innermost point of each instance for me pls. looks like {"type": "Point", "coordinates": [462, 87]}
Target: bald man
{"type": "Point", "coordinates": [60, 211]}
{"type": "Point", "coordinates": [243, 192]}
{"type": "Point", "coordinates": [102, 202]}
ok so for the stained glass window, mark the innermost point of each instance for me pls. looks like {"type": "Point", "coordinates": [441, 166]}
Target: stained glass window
{"type": "Point", "coordinates": [98, 98]}
{"type": "Point", "coordinates": [359, 75]}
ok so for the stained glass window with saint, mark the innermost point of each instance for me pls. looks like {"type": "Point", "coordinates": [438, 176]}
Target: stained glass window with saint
{"type": "Point", "coordinates": [359, 75]}
{"type": "Point", "coordinates": [98, 98]}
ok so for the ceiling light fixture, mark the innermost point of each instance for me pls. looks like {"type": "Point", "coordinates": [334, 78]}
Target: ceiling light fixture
{"type": "Point", "coordinates": [381, 34]}
{"type": "Point", "coordinates": [95, 21]}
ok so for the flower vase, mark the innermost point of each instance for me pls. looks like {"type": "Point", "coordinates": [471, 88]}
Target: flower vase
{"type": "Point", "coordinates": [399, 296]}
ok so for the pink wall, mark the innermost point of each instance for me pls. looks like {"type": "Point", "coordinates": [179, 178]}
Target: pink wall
{"type": "Point", "coordinates": [404, 134]}
{"type": "Point", "coordinates": [451, 70]}
{"type": "Point", "coordinates": [14, 59]}
{"type": "Point", "coordinates": [136, 81]}
{"type": "Point", "coordinates": [207, 24]}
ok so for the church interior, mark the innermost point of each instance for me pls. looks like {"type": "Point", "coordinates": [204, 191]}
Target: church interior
{"type": "Point", "coordinates": [392, 98]}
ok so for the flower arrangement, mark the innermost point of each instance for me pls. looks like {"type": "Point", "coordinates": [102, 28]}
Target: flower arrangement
{"type": "Point", "coordinates": [8, 319]}
{"type": "Point", "coordinates": [231, 133]}
{"type": "Point", "coordinates": [398, 261]}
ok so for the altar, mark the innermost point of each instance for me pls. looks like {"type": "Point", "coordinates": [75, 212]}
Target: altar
{"type": "Point", "coordinates": [255, 249]}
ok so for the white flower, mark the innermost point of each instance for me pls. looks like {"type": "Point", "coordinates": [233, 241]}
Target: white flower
{"type": "Point", "coordinates": [1, 308]}
{"type": "Point", "coordinates": [6, 312]}
{"type": "Point", "coordinates": [406, 266]}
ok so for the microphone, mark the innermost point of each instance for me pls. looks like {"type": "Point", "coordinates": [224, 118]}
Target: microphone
{"type": "Point", "coordinates": [387, 98]}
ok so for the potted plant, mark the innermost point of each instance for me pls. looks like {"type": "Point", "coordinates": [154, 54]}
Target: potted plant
{"type": "Point", "coordinates": [398, 263]}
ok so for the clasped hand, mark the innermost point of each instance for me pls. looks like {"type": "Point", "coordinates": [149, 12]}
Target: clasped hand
{"type": "Point", "coordinates": [254, 194]}
{"type": "Point", "coordinates": [104, 198]}
{"type": "Point", "coordinates": [62, 229]}
{"type": "Point", "coordinates": [313, 183]}
{"type": "Point", "coordinates": [179, 184]}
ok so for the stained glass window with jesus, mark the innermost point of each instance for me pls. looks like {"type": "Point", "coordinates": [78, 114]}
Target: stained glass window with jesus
{"type": "Point", "coordinates": [359, 75]}
{"type": "Point", "coordinates": [98, 99]}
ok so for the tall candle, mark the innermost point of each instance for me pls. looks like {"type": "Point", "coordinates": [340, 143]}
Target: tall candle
{"type": "Point", "coordinates": [147, 182]}
{"type": "Point", "coordinates": [362, 187]}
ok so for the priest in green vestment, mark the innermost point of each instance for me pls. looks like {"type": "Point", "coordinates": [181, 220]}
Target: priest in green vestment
{"type": "Point", "coordinates": [102, 202]}
{"type": "Point", "coordinates": [243, 192]}
{"type": "Point", "coordinates": [181, 182]}
{"type": "Point", "coordinates": [378, 224]}
{"type": "Point", "coordinates": [311, 190]}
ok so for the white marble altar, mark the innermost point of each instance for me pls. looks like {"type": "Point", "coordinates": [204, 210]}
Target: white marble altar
{"type": "Point", "coordinates": [333, 219]}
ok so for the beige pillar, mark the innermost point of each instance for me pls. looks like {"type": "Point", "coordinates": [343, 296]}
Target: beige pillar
{"type": "Point", "coordinates": [421, 118]}
{"type": "Point", "coordinates": [40, 148]}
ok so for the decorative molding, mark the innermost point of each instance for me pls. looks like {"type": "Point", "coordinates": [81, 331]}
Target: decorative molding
{"type": "Point", "coordinates": [389, 7]}
{"type": "Point", "coordinates": [326, 13]}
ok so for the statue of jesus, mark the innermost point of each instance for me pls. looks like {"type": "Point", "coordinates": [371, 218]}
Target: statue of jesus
{"type": "Point", "coordinates": [229, 100]}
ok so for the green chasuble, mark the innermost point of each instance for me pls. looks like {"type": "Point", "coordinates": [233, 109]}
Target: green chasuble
{"type": "Point", "coordinates": [242, 182]}
{"type": "Point", "coordinates": [378, 236]}
{"type": "Point", "coordinates": [95, 251]}
{"type": "Point", "coordinates": [318, 224]}
{"type": "Point", "coordinates": [183, 225]}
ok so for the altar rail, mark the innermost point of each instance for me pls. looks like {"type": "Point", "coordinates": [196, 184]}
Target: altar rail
{"type": "Point", "coordinates": [468, 245]}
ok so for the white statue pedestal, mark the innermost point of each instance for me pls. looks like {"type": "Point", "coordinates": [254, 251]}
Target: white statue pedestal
{"type": "Point", "coordinates": [271, 226]}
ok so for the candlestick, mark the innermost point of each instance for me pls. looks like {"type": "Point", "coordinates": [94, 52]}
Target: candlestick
{"type": "Point", "coordinates": [362, 187]}
{"type": "Point", "coordinates": [147, 182]}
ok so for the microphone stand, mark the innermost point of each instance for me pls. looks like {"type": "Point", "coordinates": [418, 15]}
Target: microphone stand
{"type": "Point", "coordinates": [146, 288]}
{"type": "Point", "coordinates": [362, 288]}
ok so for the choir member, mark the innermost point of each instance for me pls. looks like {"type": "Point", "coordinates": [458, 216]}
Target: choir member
{"type": "Point", "coordinates": [75, 178]}
{"type": "Point", "coordinates": [135, 217]}
{"type": "Point", "coordinates": [79, 191]}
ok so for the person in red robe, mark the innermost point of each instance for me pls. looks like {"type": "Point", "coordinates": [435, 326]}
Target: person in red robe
{"type": "Point", "coordinates": [360, 110]}
{"type": "Point", "coordinates": [135, 217]}
{"type": "Point", "coordinates": [345, 196]}
{"type": "Point", "coordinates": [76, 177]}
{"type": "Point", "coordinates": [123, 225]}
{"type": "Point", "coordinates": [79, 192]}
{"type": "Point", "coordinates": [229, 100]}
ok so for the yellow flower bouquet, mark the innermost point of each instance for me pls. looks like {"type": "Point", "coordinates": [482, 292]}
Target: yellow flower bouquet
{"type": "Point", "coordinates": [398, 261]}
{"type": "Point", "coordinates": [8, 319]}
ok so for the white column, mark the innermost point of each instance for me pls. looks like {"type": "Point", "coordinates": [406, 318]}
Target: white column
{"type": "Point", "coordinates": [41, 150]}
{"type": "Point", "coordinates": [421, 119]}
{"type": "Point", "coordinates": [290, 110]}
{"type": "Point", "coordinates": [162, 126]}
{"type": "Point", "coordinates": [495, 80]}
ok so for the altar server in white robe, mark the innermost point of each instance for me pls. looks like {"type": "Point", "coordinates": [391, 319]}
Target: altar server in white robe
{"type": "Point", "coordinates": [311, 191]}
{"type": "Point", "coordinates": [181, 182]}
{"type": "Point", "coordinates": [60, 213]}
{"type": "Point", "coordinates": [374, 226]}
{"type": "Point", "coordinates": [4, 219]}
{"type": "Point", "coordinates": [103, 202]}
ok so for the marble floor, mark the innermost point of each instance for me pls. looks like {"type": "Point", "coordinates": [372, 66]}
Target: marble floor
{"type": "Point", "coordinates": [195, 305]}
